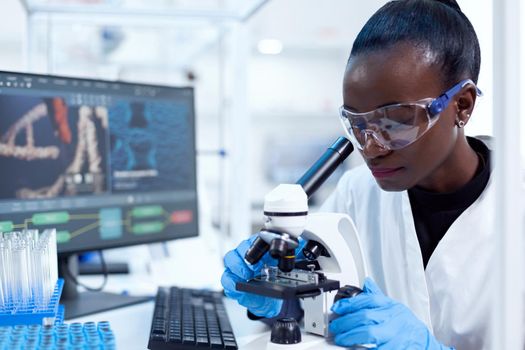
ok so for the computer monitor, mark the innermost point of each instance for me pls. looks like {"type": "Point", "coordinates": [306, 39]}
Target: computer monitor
{"type": "Point", "coordinates": [108, 164]}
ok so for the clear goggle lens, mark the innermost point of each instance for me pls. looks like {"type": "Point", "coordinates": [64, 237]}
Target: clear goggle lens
{"type": "Point", "coordinates": [394, 127]}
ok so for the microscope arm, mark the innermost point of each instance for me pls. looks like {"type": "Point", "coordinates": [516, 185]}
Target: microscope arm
{"type": "Point", "coordinates": [342, 260]}
{"type": "Point", "coordinates": [337, 234]}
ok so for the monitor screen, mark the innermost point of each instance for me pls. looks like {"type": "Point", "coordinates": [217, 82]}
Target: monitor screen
{"type": "Point", "coordinates": [107, 164]}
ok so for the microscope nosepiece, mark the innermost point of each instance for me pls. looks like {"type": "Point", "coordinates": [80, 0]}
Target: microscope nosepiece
{"type": "Point", "coordinates": [278, 248]}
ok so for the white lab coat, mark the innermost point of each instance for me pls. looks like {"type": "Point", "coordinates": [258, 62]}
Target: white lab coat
{"type": "Point", "coordinates": [452, 296]}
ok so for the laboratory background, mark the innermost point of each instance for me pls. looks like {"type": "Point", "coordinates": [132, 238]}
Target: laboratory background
{"type": "Point", "coordinates": [258, 84]}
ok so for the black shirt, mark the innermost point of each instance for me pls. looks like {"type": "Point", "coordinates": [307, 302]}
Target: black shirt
{"type": "Point", "coordinates": [434, 213]}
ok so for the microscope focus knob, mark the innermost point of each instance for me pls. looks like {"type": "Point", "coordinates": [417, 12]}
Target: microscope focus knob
{"type": "Point", "coordinates": [286, 331]}
{"type": "Point", "coordinates": [347, 292]}
{"type": "Point", "coordinates": [313, 250]}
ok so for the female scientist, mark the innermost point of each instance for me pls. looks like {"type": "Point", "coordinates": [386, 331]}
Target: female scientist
{"type": "Point", "coordinates": [422, 204]}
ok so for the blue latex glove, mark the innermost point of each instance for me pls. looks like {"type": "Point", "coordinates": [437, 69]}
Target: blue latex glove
{"type": "Point", "coordinates": [373, 318]}
{"type": "Point", "coordinates": [237, 269]}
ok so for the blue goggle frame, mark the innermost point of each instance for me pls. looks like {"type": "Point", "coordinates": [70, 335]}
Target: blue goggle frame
{"type": "Point", "coordinates": [441, 103]}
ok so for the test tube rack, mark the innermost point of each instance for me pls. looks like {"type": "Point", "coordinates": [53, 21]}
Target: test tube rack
{"type": "Point", "coordinates": [12, 314]}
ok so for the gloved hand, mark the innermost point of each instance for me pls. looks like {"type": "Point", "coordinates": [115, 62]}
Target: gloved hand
{"type": "Point", "coordinates": [237, 269]}
{"type": "Point", "coordinates": [373, 318]}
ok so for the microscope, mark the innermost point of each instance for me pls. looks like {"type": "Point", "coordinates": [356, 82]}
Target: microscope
{"type": "Point", "coordinates": [333, 266]}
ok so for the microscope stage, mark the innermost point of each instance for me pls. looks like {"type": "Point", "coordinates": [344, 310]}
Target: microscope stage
{"type": "Point", "coordinates": [285, 288]}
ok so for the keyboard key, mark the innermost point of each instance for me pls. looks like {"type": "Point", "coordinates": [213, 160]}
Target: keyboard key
{"type": "Point", "coordinates": [202, 340]}
{"type": "Point", "coordinates": [175, 339]}
{"type": "Point", "coordinates": [188, 339]}
{"type": "Point", "coordinates": [158, 337]}
{"type": "Point", "coordinates": [230, 345]}
{"type": "Point", "coordinates": [158, 331]}
{"type": "Point", "coordinates": [216, 342]}
{"type": "Point", "coordinates": [225, 325]}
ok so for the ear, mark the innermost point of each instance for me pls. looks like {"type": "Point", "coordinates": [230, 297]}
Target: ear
{"type": "Point", "coordinates": [465, 102]}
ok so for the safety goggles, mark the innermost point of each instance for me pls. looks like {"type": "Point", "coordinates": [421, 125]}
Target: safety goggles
{"type": "Point", "coordinates": [398, 125]}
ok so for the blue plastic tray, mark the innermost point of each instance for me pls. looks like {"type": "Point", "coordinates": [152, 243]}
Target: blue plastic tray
{"type": "Point", "coordinates": [12, 315]}
{"type": "Point", "coordinates": [75, 336]}
{"type": "Point", "coordinates": [59, 319]}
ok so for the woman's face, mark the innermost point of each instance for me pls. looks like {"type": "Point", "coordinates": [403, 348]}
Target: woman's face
{"type": "Point", "coordinates": [402, 73]}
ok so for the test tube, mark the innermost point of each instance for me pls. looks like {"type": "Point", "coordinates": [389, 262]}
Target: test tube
{"type": "Point", "coordinates": [3, 296]}
{"type": "Point", "coordinates": [53, 256]}
{"type": "Point", "coordinates": [37, 277]}
{"type": "Point", "coordinates": [2, 302]}
{"type": "Point", "coordinates": [50, 262]}
{"type": "Point", "coordinates": [14, 283]}
{"type": "Point", "coordinates": [5, 254]}
{"type": "Point", "coordinates": [32, 240]}
{"type": "Point", "coordinates": [21, 270]}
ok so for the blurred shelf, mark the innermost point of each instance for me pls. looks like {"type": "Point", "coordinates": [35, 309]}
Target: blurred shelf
{"type": "Point", "coordinates": [108, 38]}
{"type": "Point", "coordinates": [237, 10]}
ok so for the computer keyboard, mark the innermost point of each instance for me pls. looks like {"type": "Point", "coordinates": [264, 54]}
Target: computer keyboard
{"type": "Point", "coordinates": [189, 319]}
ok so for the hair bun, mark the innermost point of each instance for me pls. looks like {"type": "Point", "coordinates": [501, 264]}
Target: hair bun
{"type": "Point", "coordinates": [451, 3]}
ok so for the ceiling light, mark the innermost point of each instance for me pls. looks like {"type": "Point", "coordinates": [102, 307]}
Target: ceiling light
{"type": "Point", "coordinates": [270, 46]}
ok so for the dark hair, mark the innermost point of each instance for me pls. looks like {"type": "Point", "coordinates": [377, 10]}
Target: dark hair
{"type": "Point", "coordinates": [437, 25]}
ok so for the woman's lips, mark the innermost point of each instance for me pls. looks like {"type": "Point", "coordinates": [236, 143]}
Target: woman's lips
{"type": "Point", "coordinates": [385, 172]}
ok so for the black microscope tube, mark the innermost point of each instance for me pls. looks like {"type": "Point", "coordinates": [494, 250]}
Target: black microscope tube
{"type": "Point", "coordinates": [278, 248]}
{"type": "Point", "coordinates": [258, 248]}
{"type": "Point", "coordinates": [287, 262]}
{"type": "Point", "coordinates": [325, 166]}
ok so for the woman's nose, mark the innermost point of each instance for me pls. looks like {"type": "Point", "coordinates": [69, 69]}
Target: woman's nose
{"type": "Point", "coordinates": [373, 148]}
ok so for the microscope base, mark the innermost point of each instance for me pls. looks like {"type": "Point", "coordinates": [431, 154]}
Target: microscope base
{"type": "Point", "coordinates": [309, 342]}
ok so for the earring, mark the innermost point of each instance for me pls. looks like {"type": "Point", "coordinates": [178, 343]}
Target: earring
{"type": "Point", "coordinates": [460, 123]}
